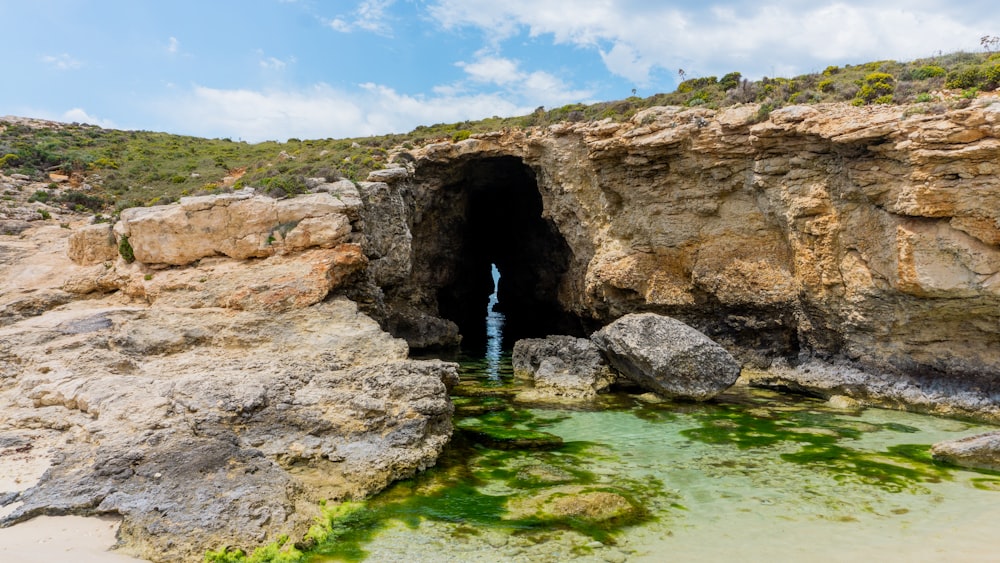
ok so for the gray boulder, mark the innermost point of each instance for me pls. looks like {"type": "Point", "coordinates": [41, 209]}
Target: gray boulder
{"type": "Point", "coordinates": [981, 451]}
{"type": "Point", "coordinates": [667, 357]}
{"type": "Point", "coordinates": [562, 365]}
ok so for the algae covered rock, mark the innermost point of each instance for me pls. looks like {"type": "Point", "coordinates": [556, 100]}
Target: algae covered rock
{"type": "Point", "coordinates": [981, 451]}
{"type": "Point", "coordinates": [667, 356]}
{"type": "Point", "coordinates": [575, 502]}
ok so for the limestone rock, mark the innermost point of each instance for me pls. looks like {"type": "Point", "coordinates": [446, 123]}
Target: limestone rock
{"type": "Point", "coordinates": [847, 385]}
{"type": "Point", "coordinates": [562, 365]}
{"type": "Point", "coordinates": [981, 451]}
{"type": "Point", "coordinates": [667, 356]}
{"type": "Point", "coordinates": [93, 244]}
{"type": "Point", "coordinates": [238, 225]}
{"type": "Point", "coordinates": [212, 427]}
{"type": "Point", "coordinates": [793, 238]}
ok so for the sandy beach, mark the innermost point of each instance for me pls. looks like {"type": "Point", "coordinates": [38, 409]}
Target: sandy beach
{"type": "Point", "coordinates": [62, 538]}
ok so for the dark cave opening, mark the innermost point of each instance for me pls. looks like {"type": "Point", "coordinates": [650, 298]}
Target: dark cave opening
{"type": "Point", "coordinates": [502, 225]}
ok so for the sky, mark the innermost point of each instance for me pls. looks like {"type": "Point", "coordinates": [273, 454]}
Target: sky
{"type": "Point", "coordinates": [258, 70]}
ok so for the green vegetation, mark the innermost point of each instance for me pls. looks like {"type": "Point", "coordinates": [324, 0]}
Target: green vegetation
{"type": "Point", "coordinates": [140, 168]}
{"type": "Point", "coordinates": [125, 250]}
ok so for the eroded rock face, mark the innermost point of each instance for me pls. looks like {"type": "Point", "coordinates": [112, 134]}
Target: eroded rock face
{"type": "Point", "coordinates": [563, 366]}
{"type": "Point", "coordinates": [214, 427]}
{"type": "Point", "coordinates": [865, 235]}
{"type": "Point", "coordinates": [981, 451]}
{"type": "Point", "coordinates": [667, 356]}
{"type": "Point", "coordinates": [210, 403]}
{"type": "Point", "coordinates": [239, 225]}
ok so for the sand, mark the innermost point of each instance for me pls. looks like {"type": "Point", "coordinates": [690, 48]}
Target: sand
{"type": "Point", "coordinates": [62, 538]}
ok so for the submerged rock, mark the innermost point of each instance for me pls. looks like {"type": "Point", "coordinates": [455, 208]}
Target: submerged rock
{"type": "Point", "coordinates": [563, 366]}
{"type": "Point", "coordinates": [559, 503]}
{"type": "Point", "coordinates": [981, 451]}
{"type": "Point", "coordinates": [667, 356]}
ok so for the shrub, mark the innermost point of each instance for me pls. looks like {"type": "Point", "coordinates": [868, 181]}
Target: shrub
{"type": "Point", "coordinates": [695, 83]}
{"type": "Point", "coordinates": [964, 78]}
{"type": "Point", "coordinates": [927, 71]}
{"type": "Point", "coordinates": [461, 135]}
{"type": "Point", "coordinates": [825, 85]}
{"type": "Point", "coordinates": [730, 81]}
{"type": "Point", "coordinates": [81, 201]}
{"type": "Point", "coordinates": [125, 250]}
{"type": "Point", "coordinates": [924, 97]}
{"type": "Point", "coordinates": [41, 196]}
{"type": "Point", "coordinates": [877, 87]}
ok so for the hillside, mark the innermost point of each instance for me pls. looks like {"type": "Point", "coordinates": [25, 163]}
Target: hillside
{"type": "Point", "coordinates": [109, 170]}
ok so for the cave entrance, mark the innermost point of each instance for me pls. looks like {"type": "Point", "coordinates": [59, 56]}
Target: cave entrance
{"type": "Point", "coordinates": [506, 244]}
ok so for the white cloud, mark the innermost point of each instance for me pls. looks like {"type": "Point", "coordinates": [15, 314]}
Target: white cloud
{"type": "Point", "coordinates": [62, 61]}
{"type": "Point", "coordinates": [533, 88]}
{"type": "Point", "coordinates": [319, 112]}
{"type": "Point", "coordinates": [494, 70]}
{"type": "Point", "coordinates": [173, 46]}
{"type": "Point", "coordinates": [635, 39]}
{"type": "Point", "coordinates": [274, 63]}
{"type": "Point", "coordinates": [78, 115]}
{"type": "Point", "coordinates": [370, 15]}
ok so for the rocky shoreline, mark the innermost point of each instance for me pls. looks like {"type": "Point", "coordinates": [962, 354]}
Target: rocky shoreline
{"type": "Point", "coordinates": [210, 370]}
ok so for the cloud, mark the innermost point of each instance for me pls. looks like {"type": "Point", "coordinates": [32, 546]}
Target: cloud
{"type": "Point", "coordinates": [62, 62]}
{"type": "Point", "coordinates": [370, 15]}
{"type": "Point", "coordinates": [274, 63]}
{"type": "Point", "coordinates": [637, 39]}
{"type": "Point", "coordinates": [531, 88]}
{"type": "Point", "coordinates": [78, 115]}
{"type": "Point", "coordinates": [320, 111]}
{"type": "Point", "coordinates": [173, 46]}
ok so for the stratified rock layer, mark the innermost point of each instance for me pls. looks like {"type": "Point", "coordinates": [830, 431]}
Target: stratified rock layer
{"type": "Point", "coordinates": [667, 356]}
{"type": "Point", "coordinates": [867, 235]}
{"type": "Point", "coordinates": [208, 399]}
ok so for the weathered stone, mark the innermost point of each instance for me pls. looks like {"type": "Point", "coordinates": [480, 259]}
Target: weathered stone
{"type": "Point", "coordinates": [981, 451]}
{"type": "Point", "coordinates": [797, 235]}
{"type": "Point", "coordinates": [388, 175]}
{"type": "Point", "coordinates": [93, 244]}
{"type": "Point", "coordinates": [564, 366]}
{"type": "Point", "coordinates": [667, 356]}
{"type": "Point", "coordinates": [208, 427]}
{"type": "Point", "coordinates": [238, 225]}
{"type": "Point", "coordinates": [923, 393]}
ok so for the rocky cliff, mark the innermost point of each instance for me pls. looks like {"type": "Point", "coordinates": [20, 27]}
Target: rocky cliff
{"type": "Point", "coordinates": [213, 368]}
{"type": "Point", "coordinates": [213, 387]}
{"type": "Point", "coordinates": [868, 236]}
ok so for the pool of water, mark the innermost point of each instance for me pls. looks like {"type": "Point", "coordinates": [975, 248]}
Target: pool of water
{"type": "Point", "coordinates": [752, 476]}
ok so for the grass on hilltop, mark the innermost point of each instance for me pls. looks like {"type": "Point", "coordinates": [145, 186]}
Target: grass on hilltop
{"type": "Point", "coordinates": [139, 168]}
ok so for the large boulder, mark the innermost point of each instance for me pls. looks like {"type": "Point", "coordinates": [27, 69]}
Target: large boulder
{"type": "Point", "coordinates": [563, 366]}
{"type": "Point", "coordinates": [238, 225]}
{"type": "Point", "coordinates": [981, 451]}
{"type": "Point", "coordinates": [667, 356]}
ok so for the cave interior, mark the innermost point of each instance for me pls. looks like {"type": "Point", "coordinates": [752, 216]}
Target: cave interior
{"type": "Point", "coordinates": [497, 219]}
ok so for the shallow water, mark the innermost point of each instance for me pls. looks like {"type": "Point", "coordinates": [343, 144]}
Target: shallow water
{"type": "Point", "coordinates": [752, 476]}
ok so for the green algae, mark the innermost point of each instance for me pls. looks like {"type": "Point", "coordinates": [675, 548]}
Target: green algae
{"type": "Point", "coordinates": [508, 472]}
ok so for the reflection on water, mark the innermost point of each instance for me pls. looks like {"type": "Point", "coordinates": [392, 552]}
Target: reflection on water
{"type": "Point", "coordinates": [494, 331]}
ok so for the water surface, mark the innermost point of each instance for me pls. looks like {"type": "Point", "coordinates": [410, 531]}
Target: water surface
{"type": "Point", "coordinates": [753, 476]}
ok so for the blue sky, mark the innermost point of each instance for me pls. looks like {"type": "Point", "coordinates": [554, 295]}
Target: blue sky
{"type": "Point", "coordinates": [272, 69]}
